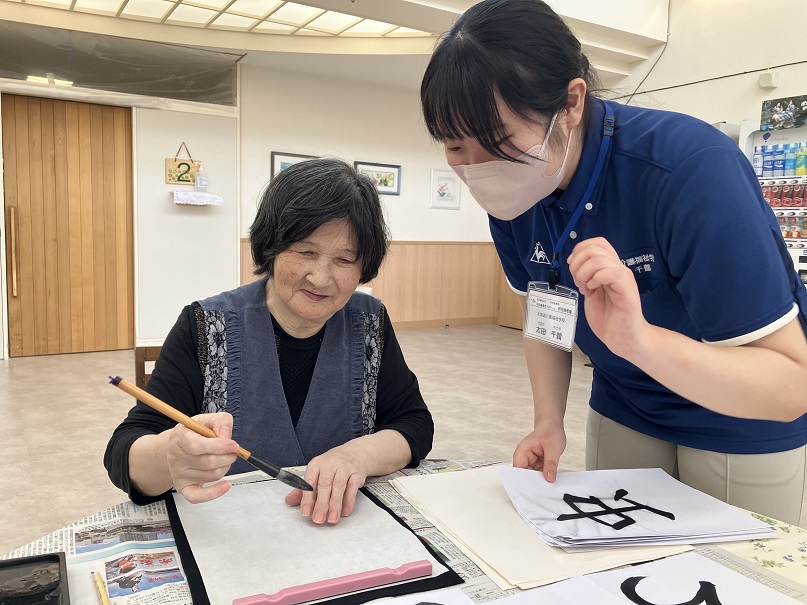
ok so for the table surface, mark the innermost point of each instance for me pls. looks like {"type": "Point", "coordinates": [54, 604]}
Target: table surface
{"type": "Point", "coordinates": [785, 555]}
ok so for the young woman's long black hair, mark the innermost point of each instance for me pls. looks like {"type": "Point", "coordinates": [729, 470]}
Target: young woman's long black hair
{"type": "Point", "coordinates": [520, 50]}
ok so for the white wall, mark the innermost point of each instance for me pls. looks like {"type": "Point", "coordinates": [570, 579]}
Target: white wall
{"type": "Point", "coordinates": [183, 253]}
{"type": "Point", "coordinates": [296, 113]}
{"type": "Point", "coordinates": [712, 38]}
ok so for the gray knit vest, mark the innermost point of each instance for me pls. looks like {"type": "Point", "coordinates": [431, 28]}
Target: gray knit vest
{"type": "Point", "coordinates": [239, 362]}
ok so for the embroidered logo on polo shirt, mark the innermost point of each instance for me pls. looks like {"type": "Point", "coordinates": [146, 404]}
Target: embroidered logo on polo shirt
{"type": "Point", "coordinates": [642, 263]}
{"type": "Point", "coordinates": [539, 256]}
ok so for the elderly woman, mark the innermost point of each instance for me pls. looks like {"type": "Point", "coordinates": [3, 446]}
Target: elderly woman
{"type": "Point", "coordinates": [297, 367]}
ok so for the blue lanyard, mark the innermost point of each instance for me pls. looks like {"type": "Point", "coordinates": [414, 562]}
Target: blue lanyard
{"type": "Point", "coordinates": [607, 135]}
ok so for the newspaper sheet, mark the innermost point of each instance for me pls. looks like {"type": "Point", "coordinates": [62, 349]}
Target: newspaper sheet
{"type": "Point", "coordinates": [133, 549]}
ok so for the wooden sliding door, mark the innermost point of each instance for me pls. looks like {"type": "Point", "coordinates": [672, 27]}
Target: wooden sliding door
{"type": "Point", "coordinates": [68, 206]}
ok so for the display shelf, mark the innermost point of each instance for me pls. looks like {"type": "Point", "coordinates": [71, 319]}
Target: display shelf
{"type": "Point", "coordinates": [783, 180]}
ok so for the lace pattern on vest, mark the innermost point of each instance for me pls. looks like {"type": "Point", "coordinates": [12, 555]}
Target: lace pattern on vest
{"type": "Point", "coordinates": [373, 348]}
{"type": "Point", "coordinates": [213, 360]}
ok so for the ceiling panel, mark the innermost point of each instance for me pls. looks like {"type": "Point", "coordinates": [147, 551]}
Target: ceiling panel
{"type": "Point", "coordinates": [191, 14]}
{"type": "Point", "coordinates": [406, 31]}
{"type": "Point", "coordinates": [333, 22]}
{"type": "Point", "coordinates": [107, 6]}
{"type": "Point", "coordinates": [212, 4]}
{"type": "Point", "coordinates": [227, 20]}
{"type": "Point", "coordinates": [368, 26]}
{"type": "Point", "coordinates": [154, 9]}
{"type": "Point", "coordinates": [274, 28]}
{"type": "Point", "coordinates": [58, 3]}
{"type": "Point", "coordinates": [257, 8]}
{"type": "Point", "coordinates": [296, 14]}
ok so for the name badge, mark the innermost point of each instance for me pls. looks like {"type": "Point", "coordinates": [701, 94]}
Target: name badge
{"type": "Point", "coordinates": [551, 315]}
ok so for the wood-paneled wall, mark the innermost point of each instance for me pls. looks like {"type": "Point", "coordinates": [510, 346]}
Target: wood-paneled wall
{"type": "Point", "coordinates": [429, 284]}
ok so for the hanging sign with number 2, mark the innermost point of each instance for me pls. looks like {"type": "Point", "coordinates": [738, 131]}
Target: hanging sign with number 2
{"type": "Point", "coordinates": [179, 171]}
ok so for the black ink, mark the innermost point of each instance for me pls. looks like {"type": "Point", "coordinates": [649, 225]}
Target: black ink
{"type": "Point", "coordinates": [620, 494]}
{"type": "Point", "coordinates": [707, 593]}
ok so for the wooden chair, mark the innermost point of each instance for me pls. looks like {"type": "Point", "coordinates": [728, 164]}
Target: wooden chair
{"type": "Point", "coordinates": [142, 355]}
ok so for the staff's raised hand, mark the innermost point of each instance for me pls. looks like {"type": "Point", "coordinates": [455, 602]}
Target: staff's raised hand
{"type": "Point", "coordinates": [612, 305]}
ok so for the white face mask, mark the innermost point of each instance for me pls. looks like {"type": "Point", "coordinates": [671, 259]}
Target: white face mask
{"type": "Point", "coordinates": [508, 189]}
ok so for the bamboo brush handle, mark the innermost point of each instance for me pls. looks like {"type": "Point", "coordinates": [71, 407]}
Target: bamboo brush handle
{"type": "Point", "coordinates": [173, 413]}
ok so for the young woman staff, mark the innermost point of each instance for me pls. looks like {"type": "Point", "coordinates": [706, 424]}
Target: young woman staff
{"type": "Point", "coordinates": [652, 225]}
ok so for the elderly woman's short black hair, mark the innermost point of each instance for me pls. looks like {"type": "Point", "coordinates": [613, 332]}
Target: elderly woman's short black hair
{"type": "Point", "coordinates": [309, 194]}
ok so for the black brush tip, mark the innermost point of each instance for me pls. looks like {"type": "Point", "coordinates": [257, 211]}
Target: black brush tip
{"type": "Point", "coordinates": [280, 474]}
{"type": "Point", "coordinates": [115, 381]}
{"type": "Point", "coordinates": [294, 480]}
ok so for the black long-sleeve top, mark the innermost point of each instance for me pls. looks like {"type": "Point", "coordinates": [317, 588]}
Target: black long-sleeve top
{"type": "Point", "coordinates": [178, 380]}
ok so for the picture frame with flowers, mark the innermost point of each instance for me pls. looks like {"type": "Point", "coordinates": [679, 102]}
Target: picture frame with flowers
{"type": "Point", "coordinates": [445, 190]}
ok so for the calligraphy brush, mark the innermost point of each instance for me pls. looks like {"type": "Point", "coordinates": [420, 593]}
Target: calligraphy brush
{"type": "Point", "coordinates": [278, 473]}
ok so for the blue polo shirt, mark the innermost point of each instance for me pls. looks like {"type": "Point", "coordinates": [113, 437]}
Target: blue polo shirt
{"type": "Point", "coordinates": [680, 204]}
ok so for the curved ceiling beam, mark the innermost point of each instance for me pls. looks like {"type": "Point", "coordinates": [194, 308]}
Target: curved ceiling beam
{"type": "Point", "coordinates": [212, 38]}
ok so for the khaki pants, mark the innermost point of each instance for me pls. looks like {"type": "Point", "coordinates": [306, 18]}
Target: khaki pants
{"type": "Point", "coordinates": [769, 484]}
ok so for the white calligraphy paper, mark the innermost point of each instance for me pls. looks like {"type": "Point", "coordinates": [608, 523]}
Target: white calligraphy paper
{"type": "Point", "coordinates": [603, 509]}
{"type": "Point", "coordinates": [250, 542]}
{"type": "Point", "coordinates": [688, 579]}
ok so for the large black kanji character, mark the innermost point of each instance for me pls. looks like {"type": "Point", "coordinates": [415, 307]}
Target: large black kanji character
{"type": "Point", "coordinates": [620, 494]}
{"type": "Point", "coordinates": [706, 595]}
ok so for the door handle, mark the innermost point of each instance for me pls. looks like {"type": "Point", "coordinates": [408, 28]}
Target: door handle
{"type": "Point", "coordinates": [13, 231]}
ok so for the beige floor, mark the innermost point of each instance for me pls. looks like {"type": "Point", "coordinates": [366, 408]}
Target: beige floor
{"type": "Point", "coordinates": [56, 413]}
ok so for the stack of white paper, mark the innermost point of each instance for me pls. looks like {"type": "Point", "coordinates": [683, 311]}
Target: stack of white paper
{"type": "Point", "coordinates": [590, 510]}
{"type": "Point", "coordinates": [472, 509]}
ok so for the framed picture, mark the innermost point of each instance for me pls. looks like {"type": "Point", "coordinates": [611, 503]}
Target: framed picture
{"type": "Point", "coordinates": [445, 190]}
{"type": "Point", "coordinates": [387, 178]}
{"type": "Point", "coordinates": [281, 160]}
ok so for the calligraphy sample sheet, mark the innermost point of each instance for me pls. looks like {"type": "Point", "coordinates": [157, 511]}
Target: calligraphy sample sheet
{"type": "Point", "coordinates": [688, 579]}
{"type": "Point", "coordinates": [472, 508]}
{"type": "Point", "coordinates": [250, 542]}
{"type": "Point", "coordinates": [588, 510]}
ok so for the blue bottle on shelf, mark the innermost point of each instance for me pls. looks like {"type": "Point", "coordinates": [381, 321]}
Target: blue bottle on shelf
{"type": "Point", "coordinates": [767, 161]}
{"type": "Point", "coordinates": [790, 159]}
{"type": "Point", "coordinates": [779, 160]}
